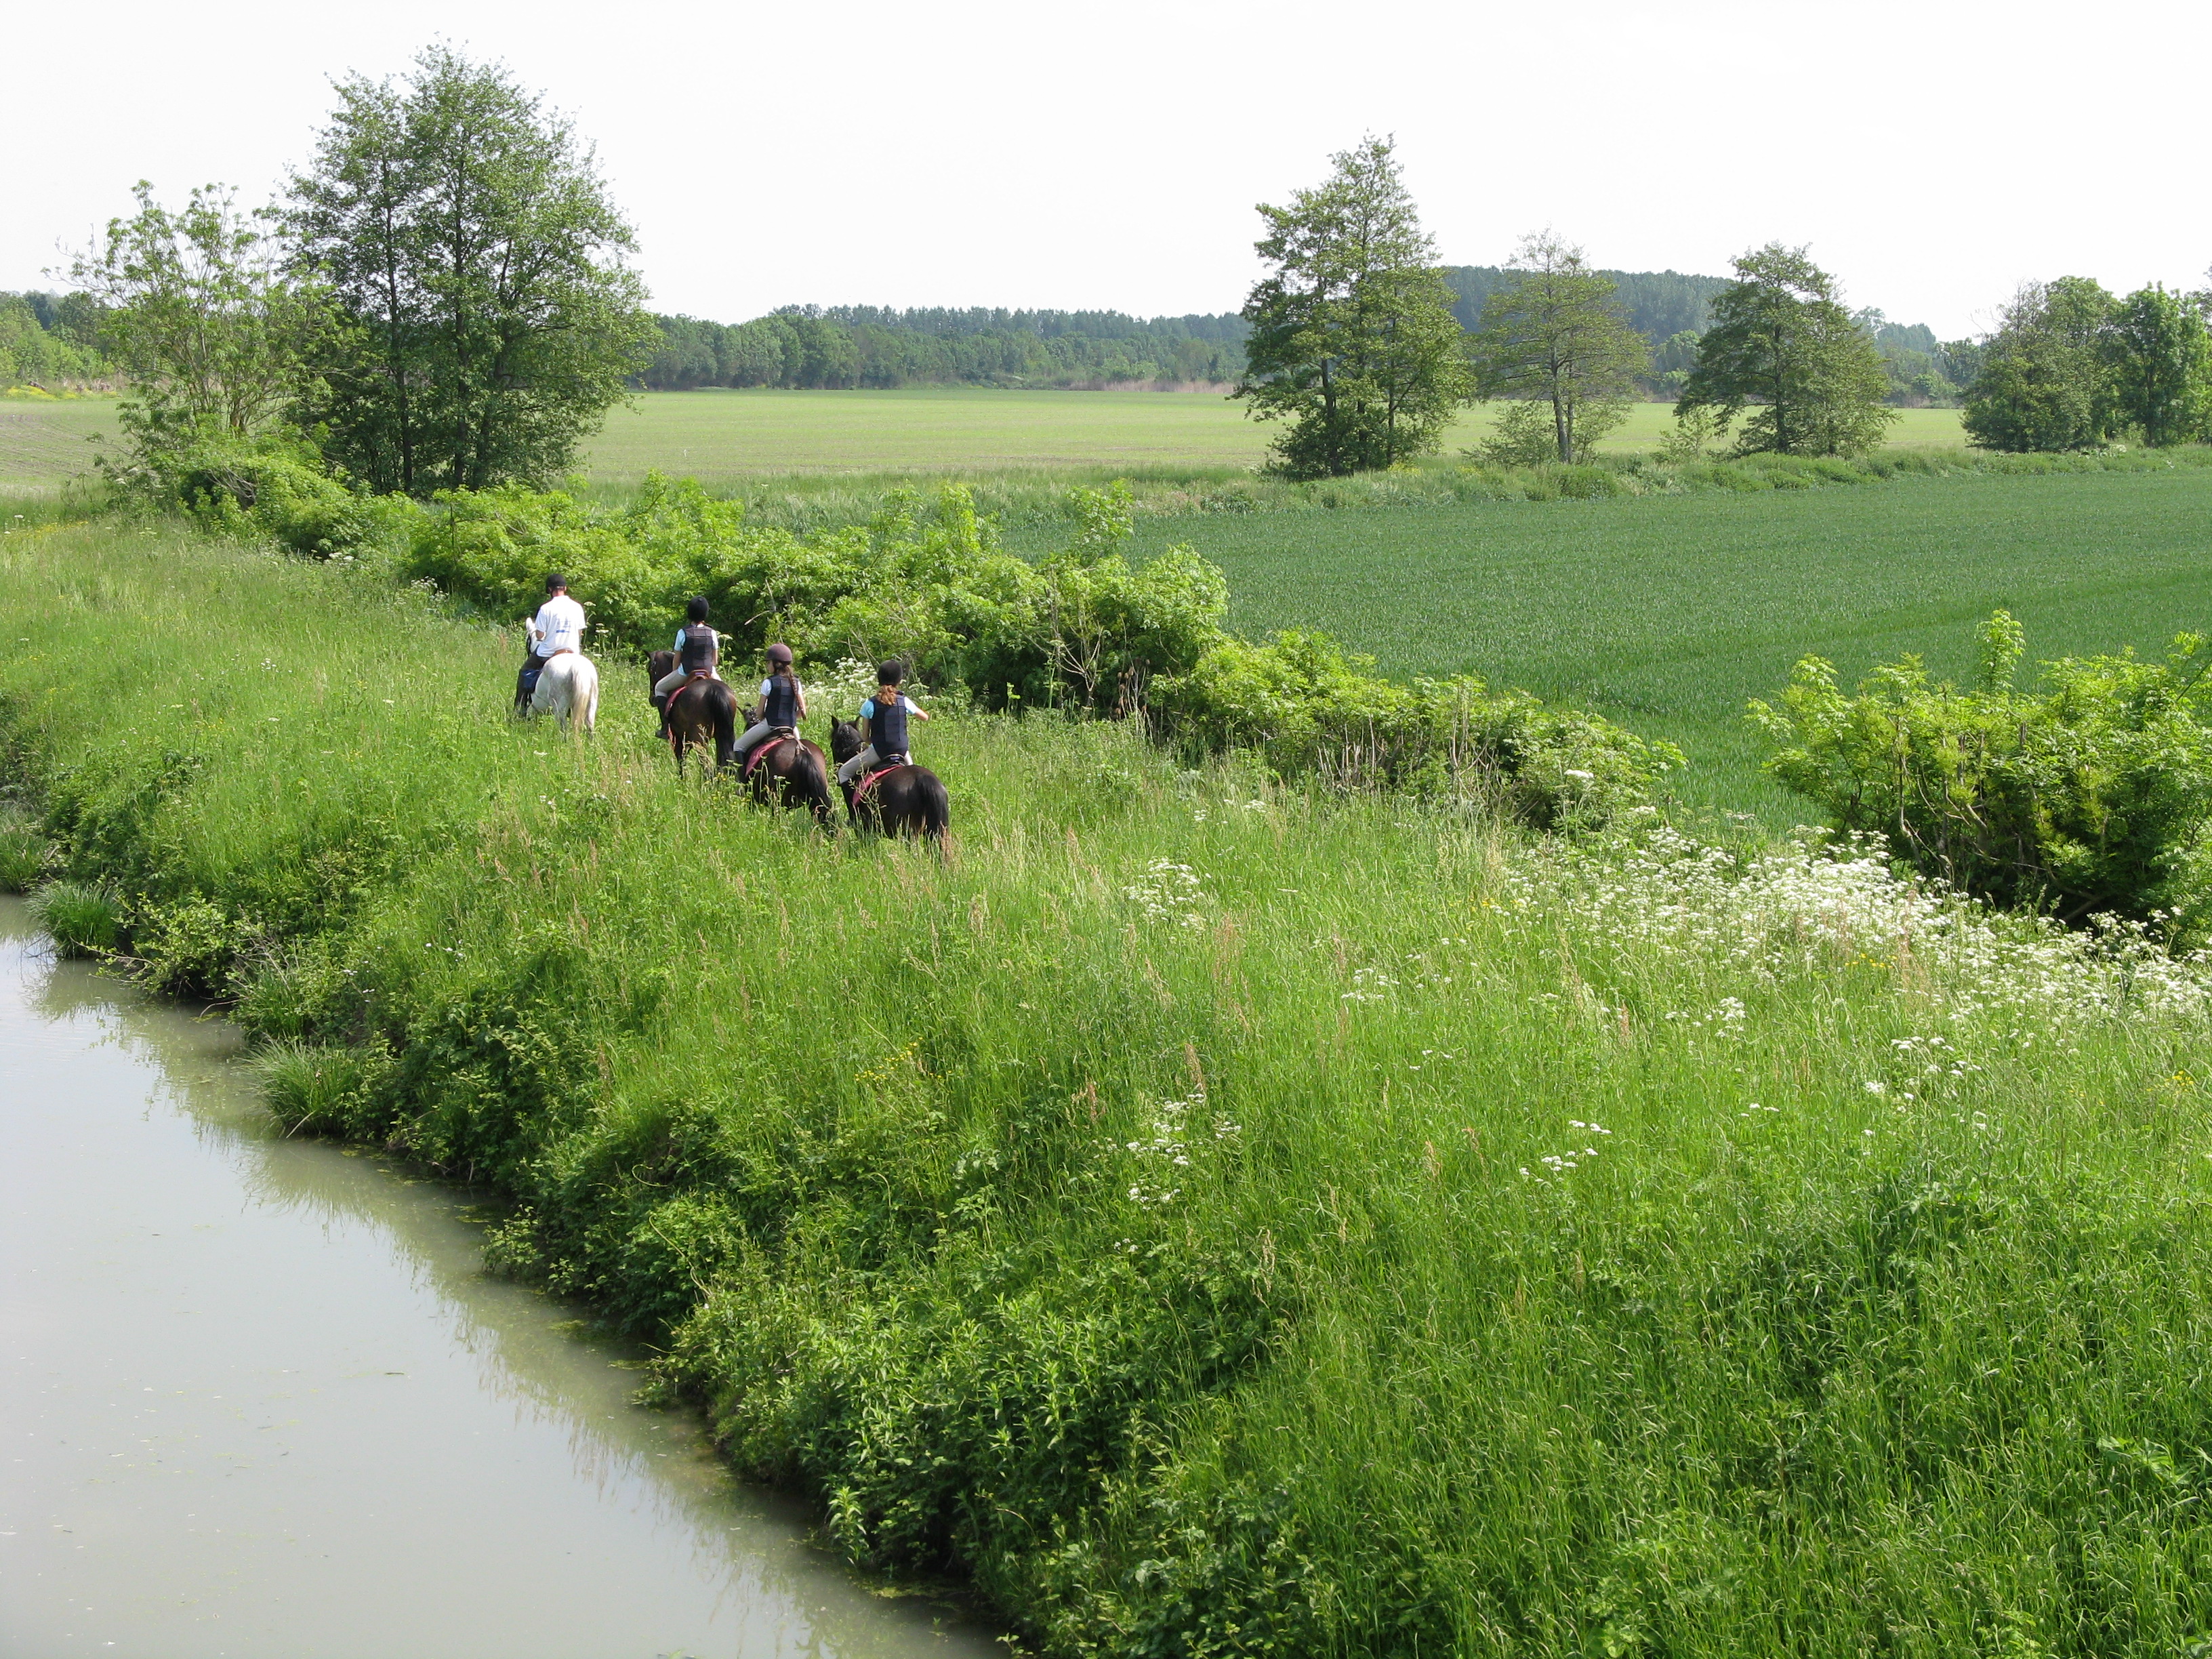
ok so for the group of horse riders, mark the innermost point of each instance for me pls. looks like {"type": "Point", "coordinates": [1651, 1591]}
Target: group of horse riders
{"type": "Point", "coordinates": [558, 627]}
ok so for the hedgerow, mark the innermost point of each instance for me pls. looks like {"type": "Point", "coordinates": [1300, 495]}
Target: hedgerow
{"type": "Point", "coordinates": [1083, 630]}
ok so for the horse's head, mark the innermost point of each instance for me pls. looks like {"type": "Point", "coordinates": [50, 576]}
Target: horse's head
{"type": "Point", "coordinates": [846, 739]}
{"type": "Point", "coordinates": [658, 668]}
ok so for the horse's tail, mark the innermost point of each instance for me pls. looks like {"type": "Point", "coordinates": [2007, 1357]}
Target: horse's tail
{"type": "Point", "coordinates": [586, 712]}
{"type": "Point", "coordinates": [935, 806]}
{"type": "Point", "coordinates": [725, 724]}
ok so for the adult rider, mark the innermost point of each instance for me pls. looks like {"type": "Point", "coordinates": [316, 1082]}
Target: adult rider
{"type": "Point", "coordinates": [557, 626]}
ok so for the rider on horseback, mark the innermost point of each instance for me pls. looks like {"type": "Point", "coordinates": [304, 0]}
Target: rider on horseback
{"type": "Point", "coordinates": [782, 705]}
{"type": "Point", "coordinates": [698, 650]}
{"type": "Point", "coordinates": [557, 626]}
{"type": "Point", "coordinates": [885, 714]}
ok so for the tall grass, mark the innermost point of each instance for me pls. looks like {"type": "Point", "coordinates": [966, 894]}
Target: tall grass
{"type": "Point", "coordinates": [1220, 1220]}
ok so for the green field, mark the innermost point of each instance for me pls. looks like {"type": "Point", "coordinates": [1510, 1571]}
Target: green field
{"type": "Point", "coordinates": [730, 437]}
{"type": "Point", "coordinates": [1668, 612]}
{"type": "Point", "coordinates": [45, 442]}
{"type": "Point", "coordinates": [1216, 1218]}
{"type": "Point", "coordinates": [727, 436]}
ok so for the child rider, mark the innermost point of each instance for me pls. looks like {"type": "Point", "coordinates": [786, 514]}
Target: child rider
{"type": "Point", "coordinates": [884, 715]}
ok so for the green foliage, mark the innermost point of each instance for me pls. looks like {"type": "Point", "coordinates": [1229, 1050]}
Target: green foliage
{"type": "Point", "coordinates": [1308, 707]}
{"type": "Point", "coordinates": [2044, 380]}
{"type": "Point", "coordinates": [842, 346]}
{"type": "Point", "coordinates": [489, 318]}
{"type": "Point", "coordinates": [24, 854]}
{"type": "Point", "coordinates": [275, 485]}
{"type": "Point", "coordinates": [1353, 337]}
{"type": "Point", "coordinates": [211, 330]}
{"type": "Point", "coordinates": [2161, 364]}
{"type": "Point", "coordinates": [84, 917]}
{"type": "Point", "coordinates": [2091, 794]}
{"type": "Point", "coordinates": [1783, 343]}
{"type": "Point", "coordinates": [1554, 335]}
{"type": "Point", "coordinates": [1152, 1246]}
{"type": "Point", "coordinates": [49, 341]}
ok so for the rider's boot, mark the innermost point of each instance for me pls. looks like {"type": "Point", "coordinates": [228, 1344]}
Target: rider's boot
{"type": "Point", "coordinates": [661, 703]}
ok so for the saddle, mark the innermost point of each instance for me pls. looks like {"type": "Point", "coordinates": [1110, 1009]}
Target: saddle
{"type": "Point", "coordinates": [777, 735]}
{"type": "Point", "coordinates": [877, 776]}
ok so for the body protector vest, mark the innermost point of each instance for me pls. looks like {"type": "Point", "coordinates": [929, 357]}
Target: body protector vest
{"type": "Point", "coordinates": [887, 727]}
{"type": "Point", "coordinates": [779, 707]}
{"type": "Point", "coordinates": [701, 648]}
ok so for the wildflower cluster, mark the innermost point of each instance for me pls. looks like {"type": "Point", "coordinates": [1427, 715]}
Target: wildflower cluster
{"type": "Point", "coordinates": [1805, 910]}
{"type": "Point", "coordinates": [1168, 891]}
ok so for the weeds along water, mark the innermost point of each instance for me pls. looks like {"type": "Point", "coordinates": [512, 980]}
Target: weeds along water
{"type": "Point", "coordinates": [1219, 1219]}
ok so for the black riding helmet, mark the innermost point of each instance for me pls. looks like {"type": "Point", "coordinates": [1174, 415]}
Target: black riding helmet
{"type": "Point", "coordinates": [697, 611]}
{"type": "Point", "coordinates": [891, 673]}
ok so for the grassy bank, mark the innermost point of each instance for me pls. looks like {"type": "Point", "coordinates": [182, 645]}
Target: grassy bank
{"type": "Point", "coordinates": [1219, 1221]}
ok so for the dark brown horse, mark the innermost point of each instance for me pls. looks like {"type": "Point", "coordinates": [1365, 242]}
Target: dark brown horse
{"type": "Point", "coordinates": [700, 712]}
{"type": "Point", "coordinates": [785, 768]}
{"type": "Point", "coordinates": [906, 800]}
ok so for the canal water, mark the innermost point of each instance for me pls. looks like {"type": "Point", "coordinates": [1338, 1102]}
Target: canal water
{"type": "Point", "coordinates": [258, 1399]}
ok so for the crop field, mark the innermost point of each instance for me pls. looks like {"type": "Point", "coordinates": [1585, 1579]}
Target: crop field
{"type": "Point", "coordinates": [727, 438]}
{"type": "Point", "coordinates": [46, 440]}
{"type": "Point", "coordinates": [1213, 1217]}
{"type": "Point", "coordinates": [720, 436]}
{"type": "Point", "coordinates": [1668, 612]}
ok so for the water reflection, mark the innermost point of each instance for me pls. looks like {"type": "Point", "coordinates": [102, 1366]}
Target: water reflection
{"type": "Point", "coordinates": [225, 1344]}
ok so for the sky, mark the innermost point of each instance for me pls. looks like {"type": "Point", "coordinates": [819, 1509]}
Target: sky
{"type": "Point", "coordinates": [1933, 155]}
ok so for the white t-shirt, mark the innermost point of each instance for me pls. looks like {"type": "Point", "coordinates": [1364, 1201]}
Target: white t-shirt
{"type": "Point", "coordinates": [560, 625]}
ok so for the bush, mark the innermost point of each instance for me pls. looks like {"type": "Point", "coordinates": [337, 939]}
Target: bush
{"type": "Point", "coordinates": [84, 918]}
{"type": "Point", "coordinates": [1310, 708]}
{"type": "Point", "coordinates": [274, 485]}
{"type": "Point", "coordinates": [2090, 794]}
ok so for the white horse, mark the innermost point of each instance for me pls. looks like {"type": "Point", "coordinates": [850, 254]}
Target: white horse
{"type": "Point", "coordinates": [568, 690]}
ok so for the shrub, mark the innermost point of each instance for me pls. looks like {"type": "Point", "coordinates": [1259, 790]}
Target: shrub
{"type": "Point", "coordinates": [274, 485]}
{"type": "Point", "coordinates": [1310, 708]}
{"type": "Point", "coordinates": [2089, 793]}
{"type": "Point", "coordinates": [84, 918]}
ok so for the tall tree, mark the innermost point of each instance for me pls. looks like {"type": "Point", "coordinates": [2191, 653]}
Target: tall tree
{"type": "Point", "coordinates": [1354, 341]}
{"type": "Point", "coordinates": [1554, 335]}
{"type": "Point", "coordinates": [197, 309]}
{"type": "Point", "coordinates": [2044, 380]}
{"type": "Point", "coordinates": [1782, 341]}
{"type": "Point", "coordinates": [491, 312]}
{"type": "Point", "coordinates": [2161, 364]}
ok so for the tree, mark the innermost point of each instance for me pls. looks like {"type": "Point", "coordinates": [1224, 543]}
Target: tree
{"type": "Point", "coordinates": [2043, 381]}
{"type": "Point", "coordinates": [201, 315]}
{"type": "Point", "coordinates": [1353, 339]}
{"type": "Point", "coordinates": [2161, 364]}
{"type": "Point", "coordinates": [1554, 334]}
{"type": "Point", "coordinates": [1782, 341]}
{"type": "Point", "coordinates": [491, 316]}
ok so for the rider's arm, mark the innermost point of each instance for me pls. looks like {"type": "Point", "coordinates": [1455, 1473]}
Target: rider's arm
{"type": "Point", "coordinates": [799, 692]}
{"type": "Point", "coordinates": [916, 709]}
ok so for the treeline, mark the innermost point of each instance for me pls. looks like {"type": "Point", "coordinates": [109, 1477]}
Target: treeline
{"type": "Point", "coordinates": [50, 340]}
{"type": "Point", "coordinates": [1672, 309]}
{"type": "Point", "coordinates": [847, 346]}
{"type": "Point", "coordinates": [2072, 365]}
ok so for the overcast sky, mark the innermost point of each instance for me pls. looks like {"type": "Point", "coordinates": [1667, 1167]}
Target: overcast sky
{"type": "Point", "coordinates": [1934, 155]}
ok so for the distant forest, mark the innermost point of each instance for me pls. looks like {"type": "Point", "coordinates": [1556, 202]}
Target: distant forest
{"type": "Point", "coordinates": [52, 340]}
{"type": "Point", "coordinates": [842, 346]}
{"type": "Point", "coordinates": [874, 346]}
